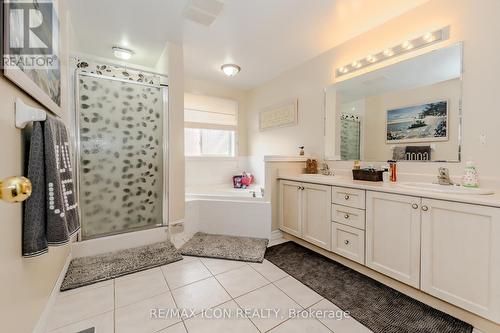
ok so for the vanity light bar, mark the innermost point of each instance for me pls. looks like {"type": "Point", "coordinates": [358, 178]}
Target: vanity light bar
{"type": "Point", "coordinates": [407, 46]}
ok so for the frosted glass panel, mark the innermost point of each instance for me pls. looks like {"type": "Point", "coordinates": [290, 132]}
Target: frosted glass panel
{"type": "Point", "coordinates": [350, 139]}
{"type": "Point", "coordinates": [121, 157]}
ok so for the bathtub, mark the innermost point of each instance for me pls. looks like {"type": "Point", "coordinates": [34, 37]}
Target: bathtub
{"type": "Point", "coordinates": [224, 192]}
{"type": "Point", "coordinates": [221, 209]}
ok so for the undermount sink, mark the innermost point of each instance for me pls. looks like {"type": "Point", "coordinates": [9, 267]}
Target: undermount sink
{"type": "Point", "coordinates": [453, 189]}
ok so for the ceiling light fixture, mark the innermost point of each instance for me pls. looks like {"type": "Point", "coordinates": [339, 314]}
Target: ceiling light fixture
{"type": "Point", "coordinates": [405, 47]}
{"type": "Point", "coordinates": [230, 69]}
{"type": "Point", "coordinates": [121, 53]}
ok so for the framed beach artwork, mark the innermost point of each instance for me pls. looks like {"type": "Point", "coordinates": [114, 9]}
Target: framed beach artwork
{"type": "Point", "coordinates": [419, 123]}
{"type": "Point", "coordinates": [31, 49]}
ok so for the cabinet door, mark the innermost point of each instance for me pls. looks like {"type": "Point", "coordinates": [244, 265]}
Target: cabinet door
{"type": "Point", "coordinates": [393, 236]}
{"type": "Point", "coordinates": [461, 255]}
{"type": "Point", "coordinates": [290, 208]}
{"type": "Point", "coordinates": [316, 219]}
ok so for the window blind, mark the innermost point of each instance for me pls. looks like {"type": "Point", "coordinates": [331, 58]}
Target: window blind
{"type": "Point", "coordinates": [209, 112]}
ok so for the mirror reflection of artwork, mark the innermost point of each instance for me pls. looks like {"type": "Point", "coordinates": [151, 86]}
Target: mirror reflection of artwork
{"type": "Point", "coordinates": [425, 122]}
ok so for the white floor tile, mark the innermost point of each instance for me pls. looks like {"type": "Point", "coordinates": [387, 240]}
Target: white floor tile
{"type": "Point", "coordinates": [217, 266]}
{"type": "Point", "coordinates": [138, 274]}
{"type": "Point", "coordinates": [269, 270]}
{"type": "Point", "coordinates": [214, 322]}
{"type": "Point", "coordinates": [102, 323]}
{"type": "Point", "coordinates": [82, 305]}
{"type": "Point", "coordinates": [297, 325]}
{"type": "Point", "coordinates": [177, 328]}
{"type": "Point", "coordinates": [272, 299]}
{"type": "Point", "coordinates": [241, 281]}
{"type": "Point", "coordinates": [299, 292]}
{"type": "Point", "coordinates": [339, 324]}
{"type": "Point", "coordinates": [86, 288]}
{"type": "Point", "coordinates": [200, 295]}
{"type": "Point", "coordinates": [137, 317]}
{"type": "Point", "coordinates": [182, 273]}
{"type": "Point", "coordinates": [133, 289]}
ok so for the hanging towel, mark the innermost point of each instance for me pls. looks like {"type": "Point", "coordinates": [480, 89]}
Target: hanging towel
{"type": "Point", "coordinates": [34, 221]}
{"type": "Point", "coordinates": [50, 214]}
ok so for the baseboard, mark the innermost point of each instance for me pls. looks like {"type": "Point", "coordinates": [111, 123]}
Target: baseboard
{"type": "Point", "coordinates": [276, 234]}
{"type": "Point", "coordinates": [41, 325]}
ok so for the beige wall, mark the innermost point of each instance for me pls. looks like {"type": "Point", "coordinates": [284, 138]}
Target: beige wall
{"type": "Point", "coordinates": [473, 22]}
{"type": "Point", "coordinates": [375, 146]}
{"type": "Point", "coordinates": [25, 284]}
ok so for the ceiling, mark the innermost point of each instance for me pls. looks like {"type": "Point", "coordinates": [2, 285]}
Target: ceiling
{"type": "Point", "coordinates": [264, 37]}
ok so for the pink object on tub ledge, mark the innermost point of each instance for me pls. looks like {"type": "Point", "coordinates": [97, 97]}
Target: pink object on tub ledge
{"type": "Point", "coordinates": [243, 181]}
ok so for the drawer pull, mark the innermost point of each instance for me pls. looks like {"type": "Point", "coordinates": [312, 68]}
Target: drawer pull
{"type": "Point", "coordinates": [425, 208]}
{"type": "Point", "coordinates": [347, 197]}
{"type": "Point", "coordinates": [415, 206]}
{"type": "Point", "coordinates": [346, 242]}
{"type": "Point", "coordinates": [346, 216]}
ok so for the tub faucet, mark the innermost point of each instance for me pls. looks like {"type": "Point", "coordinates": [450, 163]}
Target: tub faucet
{"type": "Point", "coordinates": [444, 177]}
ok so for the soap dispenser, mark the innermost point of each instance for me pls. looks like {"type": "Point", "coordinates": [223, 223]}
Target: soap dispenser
{"type": "Point", "coordinates": [471, 177]}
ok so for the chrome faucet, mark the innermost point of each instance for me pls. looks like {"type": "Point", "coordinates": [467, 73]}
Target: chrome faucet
{"type": "Point", "coordinates": [444, 177]}
{"type": "Point", "coordinates": [325, 169]}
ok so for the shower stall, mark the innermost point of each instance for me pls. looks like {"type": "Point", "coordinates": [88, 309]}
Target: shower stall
{"type": "Point", "coordinates": [120, 154]}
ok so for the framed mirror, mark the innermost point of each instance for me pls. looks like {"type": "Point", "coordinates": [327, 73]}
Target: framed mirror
{"type": "Point", "coordinates": [408, 111]}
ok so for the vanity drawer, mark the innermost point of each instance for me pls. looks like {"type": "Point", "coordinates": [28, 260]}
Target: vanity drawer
{"type": "Point", "coordinates": [348, 242]}
{"type": "Point", "coordinates": [353, 217]}
{"type": "Point", "coordinates": [348, 197]}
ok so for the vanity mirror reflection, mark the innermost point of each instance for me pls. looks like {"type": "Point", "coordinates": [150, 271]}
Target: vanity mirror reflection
{"type": "Point", "coordinates": [407, 111]}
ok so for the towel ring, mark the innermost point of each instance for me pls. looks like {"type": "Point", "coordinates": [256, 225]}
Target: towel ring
{"type": "Point", "coordinates": [15, 189]}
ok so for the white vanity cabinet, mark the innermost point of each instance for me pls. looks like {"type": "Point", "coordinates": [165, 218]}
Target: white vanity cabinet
{"type": "Point", "coordinates": [461, 255]}
{"type": "Point", "coordinates": [393, 236]}
{"type": "Point", "coordinates": [305, 211]}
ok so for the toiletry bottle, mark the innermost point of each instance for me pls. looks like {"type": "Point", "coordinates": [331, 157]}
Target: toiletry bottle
{"type": "Point", "coordinates": [301, 153]}
{"type": "Point", "coordinates": [471, 177]}
{"type": "Point", "coordinates": [393, 170]}
{"type": "Point", "coordinates": [357, 165]}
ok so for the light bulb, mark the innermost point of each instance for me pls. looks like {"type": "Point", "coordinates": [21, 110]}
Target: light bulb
{"type": "Point", "coordinates": [356, 64]}
{"type": "Point", "coordinates": [407, 45]}
{"type": "Point", "coordinates": [371, 58]}
{"type": "Point", "coordinates": [429, 37]}
{"type": "Point", "coordinates": [388, 52]}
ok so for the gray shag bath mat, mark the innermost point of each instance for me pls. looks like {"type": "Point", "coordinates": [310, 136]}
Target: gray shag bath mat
{"type": "Point", "coordinates": [225, 247]}
{"type": "Point", "coordinates": [378, 307]}
{"type": "Point", "coordinates": [89, 270]}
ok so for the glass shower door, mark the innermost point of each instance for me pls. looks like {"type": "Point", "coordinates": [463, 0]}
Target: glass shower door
{"type": "Point", "coordinates": [120, 129]}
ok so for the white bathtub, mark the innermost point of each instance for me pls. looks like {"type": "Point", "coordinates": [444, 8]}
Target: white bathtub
{"type": "Point", "coordinates": [221, 209]}
{"type": "Point", "coordinates": [224, 192]}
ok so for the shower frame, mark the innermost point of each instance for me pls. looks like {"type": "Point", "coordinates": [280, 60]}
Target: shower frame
{"type": "Point", "coordinates": [164, 137]}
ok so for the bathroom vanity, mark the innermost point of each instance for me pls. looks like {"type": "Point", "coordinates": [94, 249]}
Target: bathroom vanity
{"type": "Point", "coordinates": [444, 244]}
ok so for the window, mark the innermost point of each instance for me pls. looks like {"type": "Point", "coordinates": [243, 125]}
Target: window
{"type": "Point", "coordinates": [210, 126]}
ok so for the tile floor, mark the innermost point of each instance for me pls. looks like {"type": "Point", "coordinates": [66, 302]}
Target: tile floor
{"type": "Point", "coordinates": [233, 288]}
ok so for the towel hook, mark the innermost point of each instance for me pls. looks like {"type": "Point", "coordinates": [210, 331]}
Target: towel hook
{"type": "Point", "coordinates": [15, 189]}
{"type": "Point", "coordinates": [26, 114]}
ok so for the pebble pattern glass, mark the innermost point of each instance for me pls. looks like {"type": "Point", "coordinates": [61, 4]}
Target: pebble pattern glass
{"type": "Point", "coordinates": [121, 159]}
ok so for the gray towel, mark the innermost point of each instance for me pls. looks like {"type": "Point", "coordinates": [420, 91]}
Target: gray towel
{"type": "Point", "coordinates": [51, 215]}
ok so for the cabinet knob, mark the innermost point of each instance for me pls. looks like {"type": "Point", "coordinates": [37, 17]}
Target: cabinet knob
{"type": "Point", "coordinates": [346, 216]}
{"type": "Point", "coordinates": [347, 197]}
{"type": "Point", "coordinates": [425, 208]}
{"type": "Point", "coordinates": [299, 188]}
{"type": "Point", "coordinates": [346, 242]}
{"type": "Point", "coordinates": [414, 206]}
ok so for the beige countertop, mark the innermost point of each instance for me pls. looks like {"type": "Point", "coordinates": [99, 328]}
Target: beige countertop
{"type": "Point", "coordinates": [492, 200]}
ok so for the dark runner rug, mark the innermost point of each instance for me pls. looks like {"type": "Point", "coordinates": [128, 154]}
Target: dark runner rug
{"type": "Point", "coordinates": [225, 247]}
{"type": "Point", "coordinates": [378, 307]}
{"type": "Point", "coordinates": [89, 270]}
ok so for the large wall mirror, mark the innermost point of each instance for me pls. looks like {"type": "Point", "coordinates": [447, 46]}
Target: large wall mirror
{"type": "Point", "coordinates": [408, 111]}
